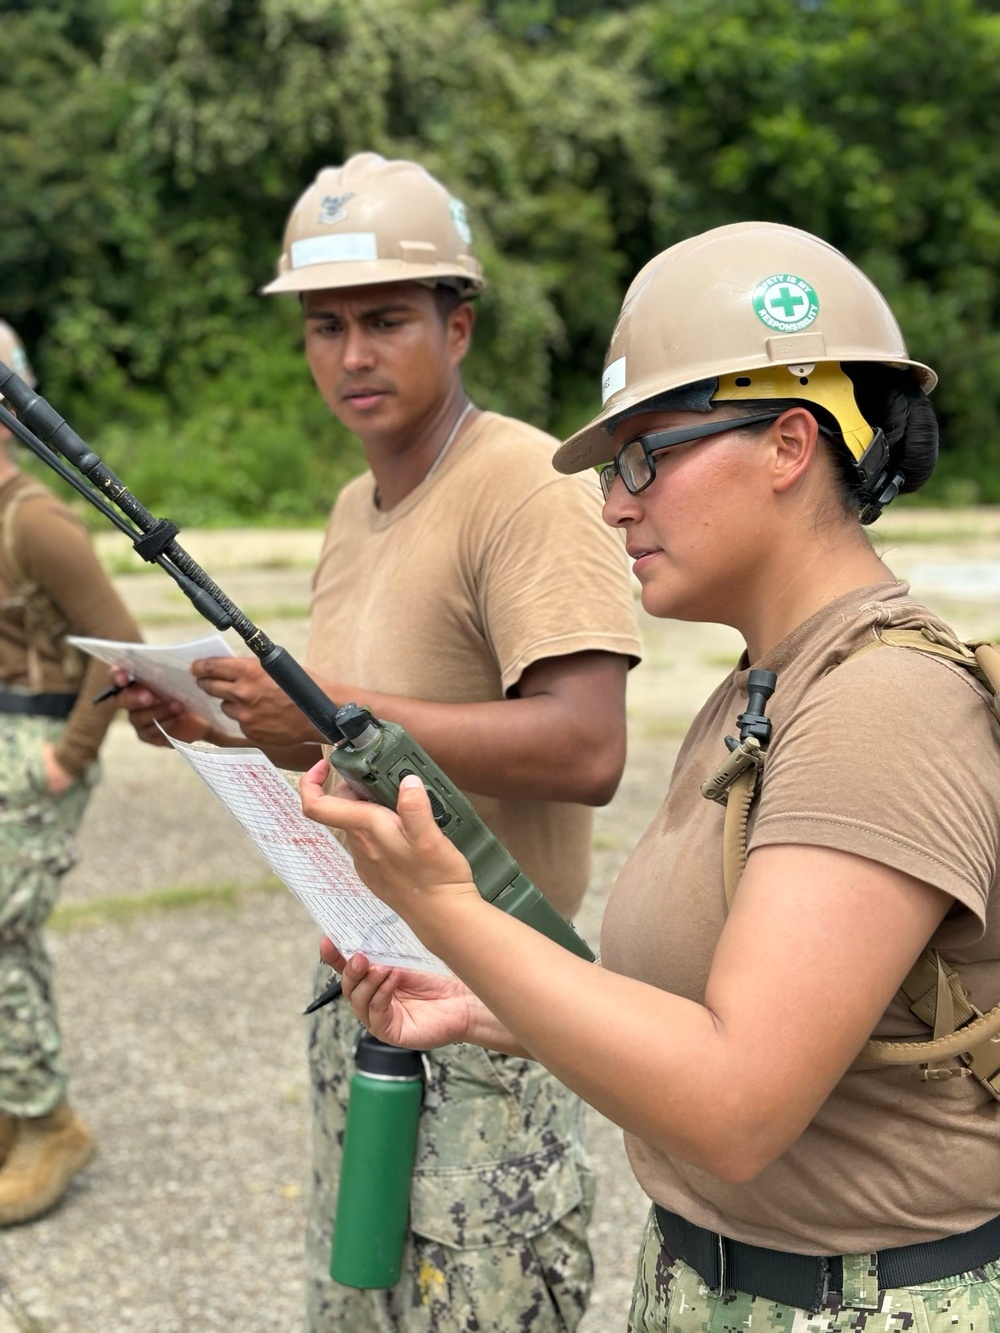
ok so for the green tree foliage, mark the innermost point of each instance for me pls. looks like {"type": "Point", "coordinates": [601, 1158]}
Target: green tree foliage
{"type": "Point", "coordinates": [150, 151]}
{"type": "Point", "coordinates": [209, 120]}
{"type": "Point", "coordinates": [875, 124]}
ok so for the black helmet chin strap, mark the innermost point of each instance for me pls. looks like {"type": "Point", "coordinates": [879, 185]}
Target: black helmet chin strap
{"type": "Point", "coordinates": [880, 482]}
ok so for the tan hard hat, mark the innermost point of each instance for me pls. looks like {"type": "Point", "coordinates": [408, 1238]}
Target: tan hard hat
{"type": "Point", "coordinates": [753, 301]}
{"type": "Point", "coordinates": [13, 355]}
{"type": "Point", "coordinates": [373, 221]}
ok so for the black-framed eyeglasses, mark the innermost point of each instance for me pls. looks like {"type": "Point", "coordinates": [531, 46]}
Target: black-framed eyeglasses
{"type": "Point", "coordinates": [634, 461]}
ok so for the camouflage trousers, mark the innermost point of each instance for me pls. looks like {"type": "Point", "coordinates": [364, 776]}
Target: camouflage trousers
{"type": "Point", "coordinates": [37, 833]}
{"type": "Point", "coordinates": [499, 1205]}
{"type": "Point", "coordinates": [670, 1297]}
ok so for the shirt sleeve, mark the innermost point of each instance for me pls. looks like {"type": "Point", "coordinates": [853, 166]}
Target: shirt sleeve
{"type": "Point", "coordinates": [554, 580]}
{"type": "Point", "coordinates": [894, 756]}
{"type": "Point", "coordinates": [55, 551]}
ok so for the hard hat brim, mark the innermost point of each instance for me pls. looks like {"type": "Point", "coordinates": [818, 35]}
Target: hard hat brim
{"type": "Point", "coordinates": [368, 273]}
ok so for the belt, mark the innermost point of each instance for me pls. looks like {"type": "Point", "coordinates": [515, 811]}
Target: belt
{"type": "Point", "coordinates": [805, 1280]}
{"type": "Point", "coordinates": [37, 705]}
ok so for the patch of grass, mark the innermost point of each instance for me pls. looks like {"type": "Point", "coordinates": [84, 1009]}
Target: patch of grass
{"type": "Point", "coordinates": [662, 728]}
{"type": "Point", "coordinates": [930, 536]}
{"type": "Point", "coordinates": [260, 615]}
{"type": "Point", "coordinates": [124, 560]}
{"type": "Point", "coordinates": [725, 660]}
{"type": "Point", "coordinates": [178, 617]}
{"type": "Point", "coordinates": [607, 842]}
{"type": "Point", "coordinates": [277, 611]}
{"type": "Point", "coordinates": [118, 911]}
{"type": "Point", "coordinates": [284, 562]}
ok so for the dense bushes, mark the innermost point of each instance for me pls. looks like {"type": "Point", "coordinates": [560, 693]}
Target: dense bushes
{"type": "Point", "coordinates": [150, 151]}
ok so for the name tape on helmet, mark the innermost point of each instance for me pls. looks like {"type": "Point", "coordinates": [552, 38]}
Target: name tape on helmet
{"type": "Point", "coordinates": [614, 379]}
{"type": "Point", "coordinates": [348, 247]}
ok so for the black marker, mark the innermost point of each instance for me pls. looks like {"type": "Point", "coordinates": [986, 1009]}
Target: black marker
{"type": "Point", "coordinates": [111, 691]}
{"type": "Point", "coordinates": [332, 992]}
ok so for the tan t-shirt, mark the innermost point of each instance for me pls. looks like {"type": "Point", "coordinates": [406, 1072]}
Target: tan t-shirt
{"type": "Point", "coordinates": [54, 552]}
{"type": "Point", "coordinates": [895, 756]}
{"type": "Point", "coordinates": [493, 562]}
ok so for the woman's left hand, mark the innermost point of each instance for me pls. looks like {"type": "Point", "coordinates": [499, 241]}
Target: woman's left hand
{"type": "Point", "coordinates": [404, 1007]}
{"type": "Point", "coordinates": [401, 855]}
{"type": "Point", "coordinates": [57, 778]}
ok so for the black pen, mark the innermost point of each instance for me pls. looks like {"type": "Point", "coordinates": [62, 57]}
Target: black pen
{"type": "Point", "coordinates": [111, 691]}
{"type": "Point", "coordinates": [328, 996]}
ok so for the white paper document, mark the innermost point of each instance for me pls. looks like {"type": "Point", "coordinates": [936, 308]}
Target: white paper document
{"type": "Point", "coordinates": [307, 857]}
{"type": "Point", "coordinates": [165, 668]}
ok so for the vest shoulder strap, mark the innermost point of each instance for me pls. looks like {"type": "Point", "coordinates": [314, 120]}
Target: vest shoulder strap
{"type": "Point", "coordinates": [933, 989]}
{"type": "Point", "coordinates": [8, 531]}
{"type": "Point", "coordinates": [979, 657]}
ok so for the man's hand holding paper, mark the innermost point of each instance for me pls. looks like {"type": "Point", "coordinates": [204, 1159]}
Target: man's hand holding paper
{"type": "Point", "coordinates": [248, 695]}
{"type": "Point", "coordinates": [165, 692]}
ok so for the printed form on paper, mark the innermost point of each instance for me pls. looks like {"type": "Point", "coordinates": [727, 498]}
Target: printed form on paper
{"type": "Point", "coordinates": [306, 857]}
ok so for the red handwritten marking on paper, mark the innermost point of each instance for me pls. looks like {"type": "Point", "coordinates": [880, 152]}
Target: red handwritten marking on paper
{"type": "Point", "coordinates": [271, 812]}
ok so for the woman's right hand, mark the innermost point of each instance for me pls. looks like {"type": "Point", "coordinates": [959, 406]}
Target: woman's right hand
{"type": "Point", "coordinates": [420, 1010]}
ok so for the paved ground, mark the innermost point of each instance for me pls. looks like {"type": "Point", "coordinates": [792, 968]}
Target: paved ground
{"type": "Point", "coordinates": [183, 969]}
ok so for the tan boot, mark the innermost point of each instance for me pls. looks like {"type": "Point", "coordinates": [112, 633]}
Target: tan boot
{"type": "Point", "coordinates": [8, 1133]}
{"type": "Point", "coordinates": [48, 1151]}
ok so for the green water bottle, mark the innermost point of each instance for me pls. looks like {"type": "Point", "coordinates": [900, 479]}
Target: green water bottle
{"type": "Point", "coordinates": [380, 1142]}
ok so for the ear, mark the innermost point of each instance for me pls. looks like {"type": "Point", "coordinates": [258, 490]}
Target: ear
{"type": "Point", "coordinates": [460, 325]}
{"type": "Point", "coordinates": [795, 437]}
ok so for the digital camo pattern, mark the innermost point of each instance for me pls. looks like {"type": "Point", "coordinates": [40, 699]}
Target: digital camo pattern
{"type": "Point", "coordinates": [500, 1202]}
{"type": "Point", "coordinates": [670, 1297]}
{"type": "Point", "coordinates": [36, 849]}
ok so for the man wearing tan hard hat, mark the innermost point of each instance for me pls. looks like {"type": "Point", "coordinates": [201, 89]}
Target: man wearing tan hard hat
{"type": "Point", "coordinates": [51, 584]}
{"type": "Point", "coordinates": [444, 601]}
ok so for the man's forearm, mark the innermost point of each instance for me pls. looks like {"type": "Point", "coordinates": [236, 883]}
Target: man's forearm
{"type": "Point", "coordinates": [536, 747]}
{"type": "Point", "coordinates": [297, 758]}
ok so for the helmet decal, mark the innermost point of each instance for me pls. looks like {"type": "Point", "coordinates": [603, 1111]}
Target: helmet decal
{"type": "Point", "coordinates": [331, 208]}
{"type": "Point", "coordinates": [785, 303]}
{"type": "Point", "coordinates": [461, 220]}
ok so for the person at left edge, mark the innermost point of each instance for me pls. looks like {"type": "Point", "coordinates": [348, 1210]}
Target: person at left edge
{"type": "Point", "coordinates": [51, 585]}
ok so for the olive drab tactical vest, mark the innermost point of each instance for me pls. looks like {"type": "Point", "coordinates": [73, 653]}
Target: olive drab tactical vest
{"type": "Point", "coordinates": [933, 990]}
{"type": "Point", "coordinates": [44, 625]}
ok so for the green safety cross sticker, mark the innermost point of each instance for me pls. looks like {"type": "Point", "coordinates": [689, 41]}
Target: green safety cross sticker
{"type": "Point", "coordinates": [785, 302]}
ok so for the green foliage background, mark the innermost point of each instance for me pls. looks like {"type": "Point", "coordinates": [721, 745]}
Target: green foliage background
{"type": "Point", "coordinates": [150, 151]}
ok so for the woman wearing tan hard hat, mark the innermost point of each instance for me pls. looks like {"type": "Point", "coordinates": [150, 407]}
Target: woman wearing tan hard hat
{"type": "Point", "coordinates": [817, 897]}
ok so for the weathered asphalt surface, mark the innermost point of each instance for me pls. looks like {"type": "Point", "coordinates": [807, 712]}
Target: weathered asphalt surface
{"type": "Point", "coordinates": [182, 1023]}
{"type": "Point", "coordinates": [186, 1043]}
